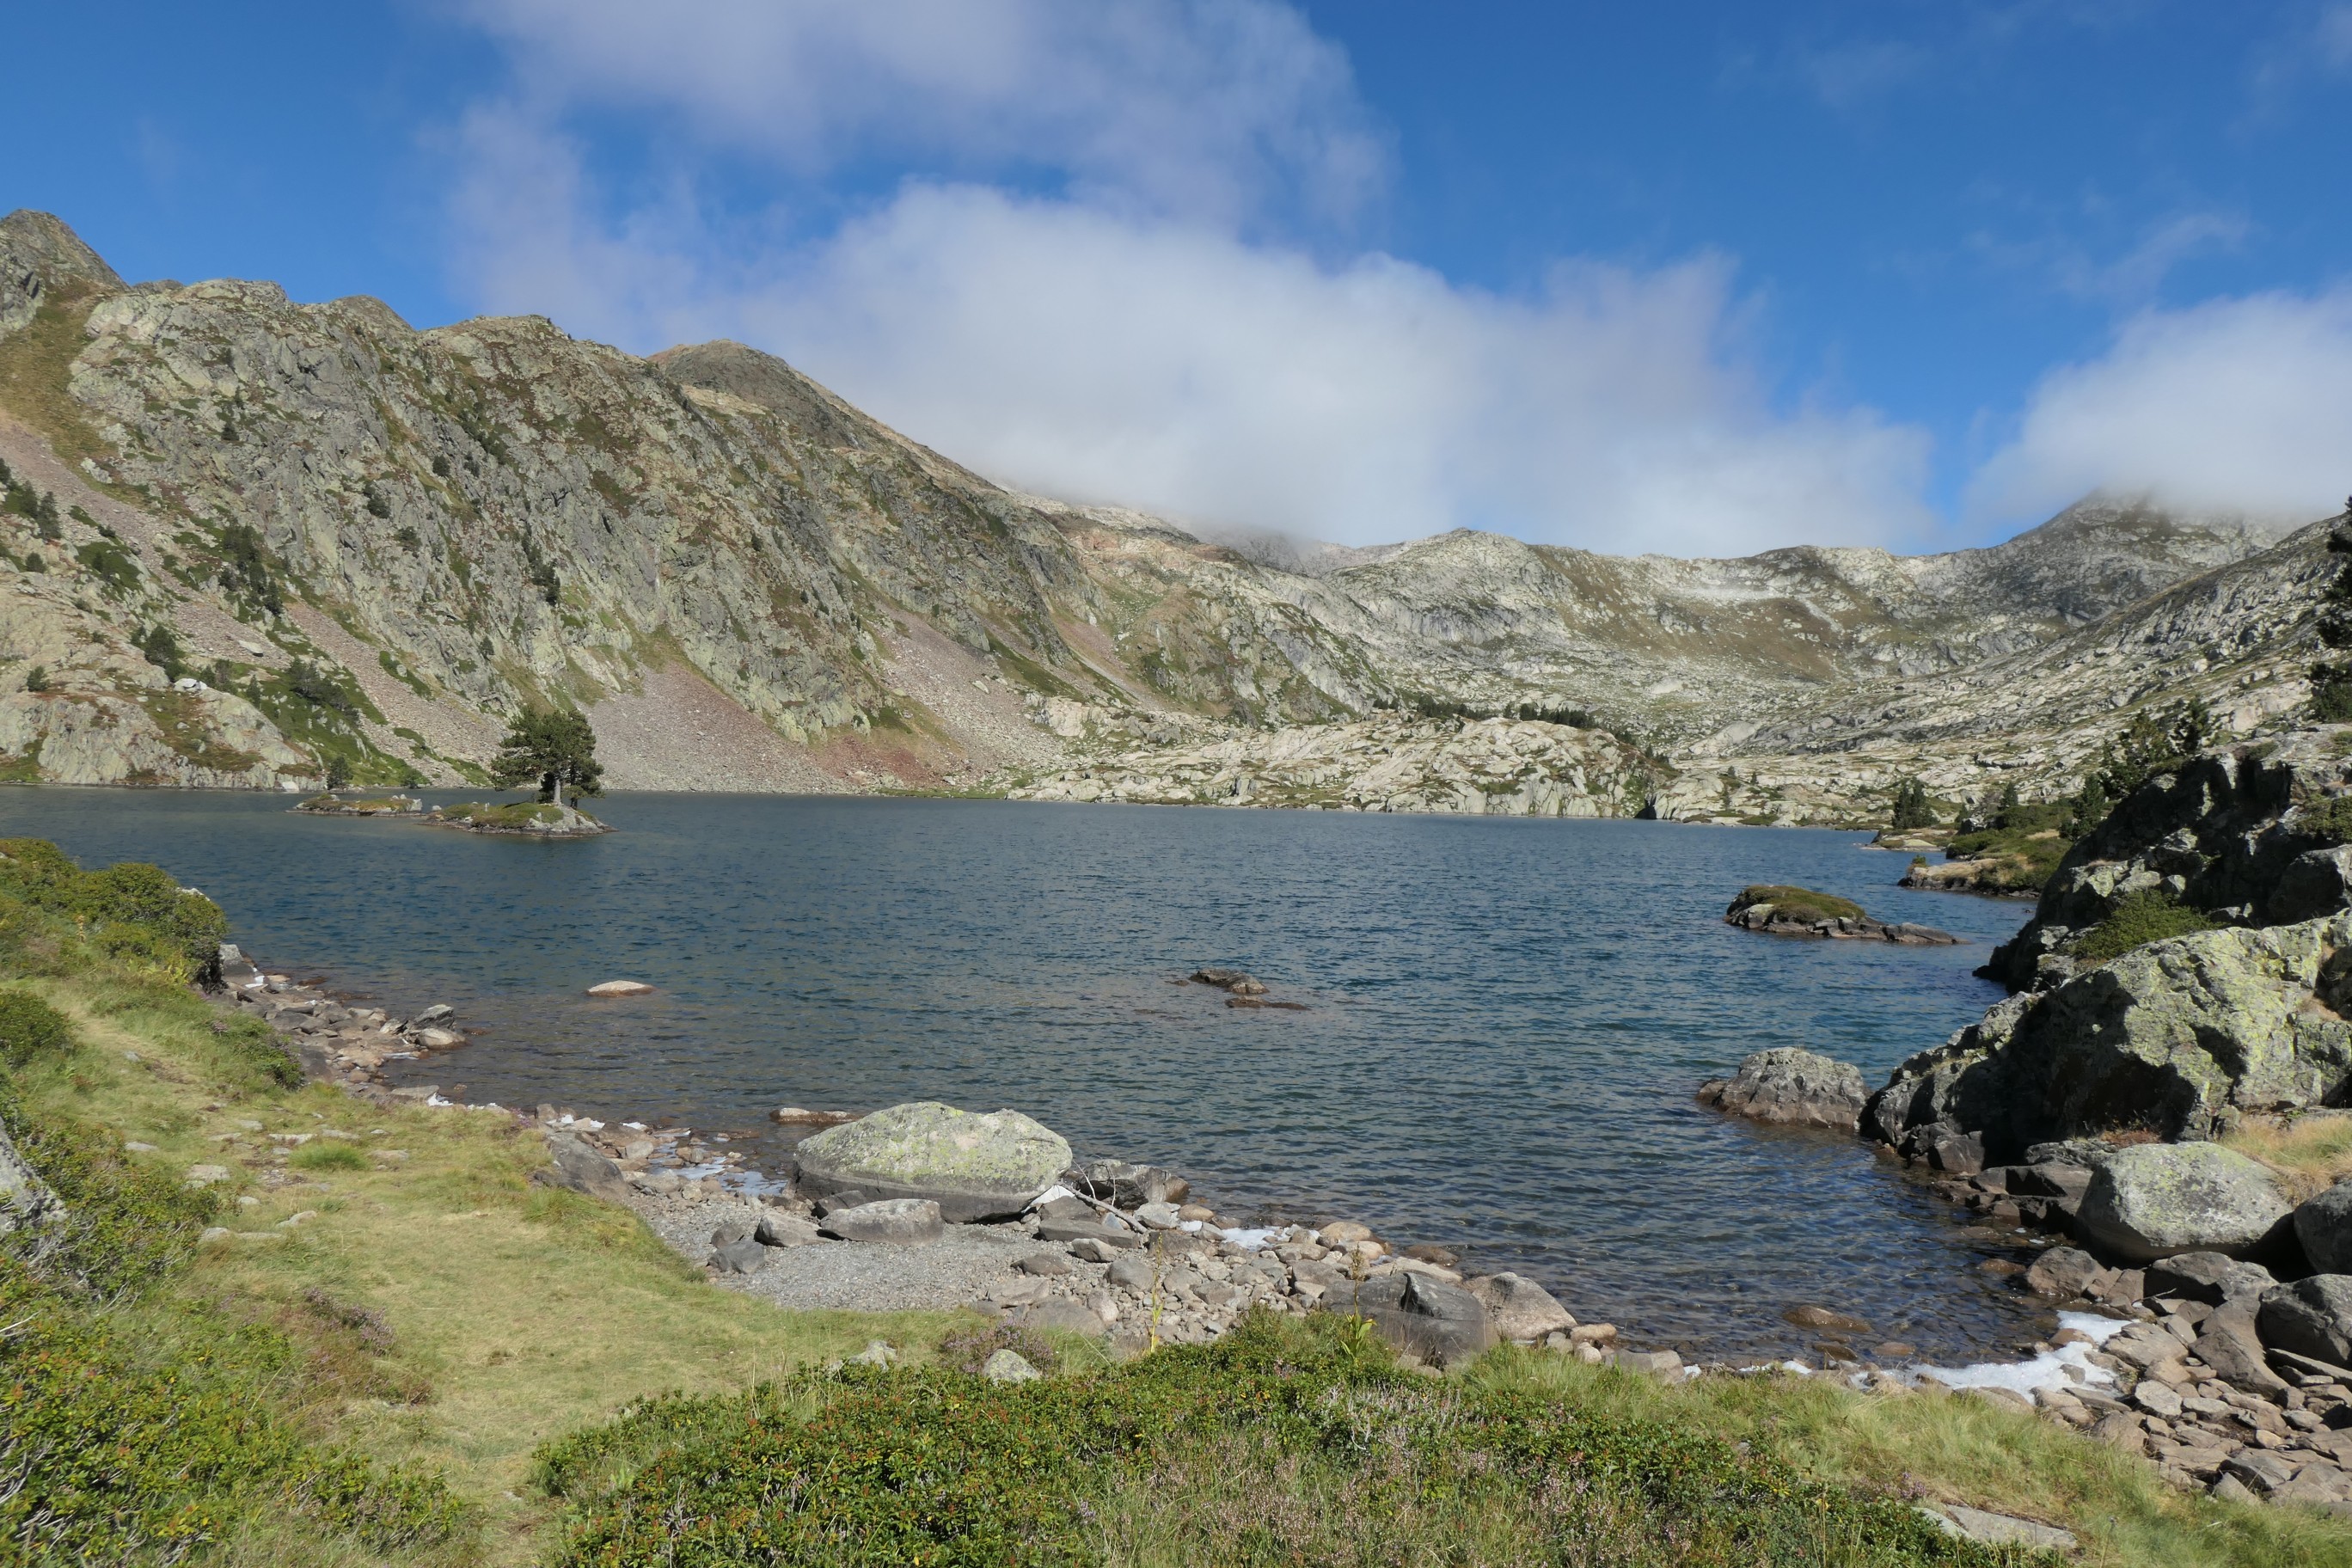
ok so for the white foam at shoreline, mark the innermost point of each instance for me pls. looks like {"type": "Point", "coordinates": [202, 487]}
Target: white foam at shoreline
{"type": "Point", "coordinates": [2047, 1370]}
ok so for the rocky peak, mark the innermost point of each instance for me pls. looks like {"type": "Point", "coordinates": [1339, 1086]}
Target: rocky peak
{"type": "Point", "coordinates": [38, 254]}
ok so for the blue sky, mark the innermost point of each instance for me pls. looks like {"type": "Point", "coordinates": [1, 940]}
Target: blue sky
{"type": "Point", "coordinates": [1686, 277]}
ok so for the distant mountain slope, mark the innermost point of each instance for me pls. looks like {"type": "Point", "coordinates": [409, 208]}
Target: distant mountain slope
{"type": "Point", "coordinates": [360, 548]}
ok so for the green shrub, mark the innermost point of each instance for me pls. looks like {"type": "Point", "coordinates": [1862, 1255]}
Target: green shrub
{"type": "Point", "coordinates": [2330, 817]}
{"type": "Point", "coordinates": [1912, 807]}
{"type": "Point", "coordinates": [327, 1157]}
{"type": "Point", "coordinates": [30, 1027]}
{"type": "Point", "coordinates": [139, 914]}
{"type": "Point", "coordinates": [2138, 919]}
{"type": "Point", "coordinates": [936, 1467]}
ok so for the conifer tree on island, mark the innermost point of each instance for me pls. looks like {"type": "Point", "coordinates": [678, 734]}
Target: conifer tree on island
{"type": "Point", "coordinates": [554, 749]}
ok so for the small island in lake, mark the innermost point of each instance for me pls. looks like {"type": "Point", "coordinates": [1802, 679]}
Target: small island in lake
{"type": "Point", "coordinates": [1801, 911]}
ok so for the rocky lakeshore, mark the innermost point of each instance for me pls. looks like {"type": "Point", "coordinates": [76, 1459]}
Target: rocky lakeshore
{"type": "Point", "coordinates": [2178, 1010]}
{"type": "Point", "coordinates": [534, 819]}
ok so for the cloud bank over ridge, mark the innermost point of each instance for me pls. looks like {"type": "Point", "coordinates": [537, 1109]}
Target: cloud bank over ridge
{"type": "Point", "coordinates": [1121, 260]}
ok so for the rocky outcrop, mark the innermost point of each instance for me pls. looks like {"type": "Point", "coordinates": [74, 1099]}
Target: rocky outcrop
{"type": "Point", "coordinates": [1790, 1086]}
{"type": "Point", "coordinates": [1520, 1309]}
{"type": "Point", "coordinates": [1475, 767]}
{"type": "Point", "coordinates": [2177, 1037]}
{"type": "Point", "coordinates": [2249, 835]}
{"type": "Point", "coordinates": [2158, 1199]}
{"type": "Point", "coordinates": [974, 1166]}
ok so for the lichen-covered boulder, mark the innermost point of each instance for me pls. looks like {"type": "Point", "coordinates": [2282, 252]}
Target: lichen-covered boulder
{"type": "Point", "coordinates": [2159, 1199]}
{"type": "Point", "coordinates": [2311, 1317]}
{"type": "Point", "coordinates": [2323, 1225]}
{"type": "Point", "coordinates": [974, 1166]}
{"type": "Point", "coordinates": [1519, 1308]}
{"type": "Point", "coordinates": [1787, 1085]}
{"type": "Point", "coordinates": [2176, 1038]}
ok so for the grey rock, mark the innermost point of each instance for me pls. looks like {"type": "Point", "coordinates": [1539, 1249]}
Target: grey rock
{"type": "Point", "coordinates": [2229, 1343]}
{"type": "Point", "coordinates": [2324, 1227]}
{"type": "Point", "coordinates": [741, 1256]}
{"type": "Point", "coordinates": [776, 1229]}
{"type": "Point", "coordinates": [1997, 1529]}
{"type": "Point", "coordinates": [1009, 1366]}
{"type": "Point", "coordinates": [901, 1222]}
{"type": "Point", "coordinates": [732, 1231]}
{"type": "Point", "coordinates": [973, 1166]}
{"type": "Point", "coordinates": [1442, 1323]}
{"type": "Point", "coordinates": [1790, 1086]}
{"type": "Point", "coordinates": [25, 1198]}
{"type": "Point", "coordinates": [2048, 1180]}
{"type": "Point", "coordinates": [1045, 1264]}
{"type": "Point", "coordinates": [1665, 1364]}
{"type": "Point", "coordinates": [1089, 1233]}
{"type": "Point", "coordinates": [1518, 1307]}
{"type": "Point", "coordinates": [1092, 1249]}
{"type": "Point", "coordinates": [2065, 1273]}
{"type": "Point", "coordinates": [2228, 1488]}
{"type": "Point", "coordinates": [1133, 1273]}
{"type": "Point", "coordinates": [2260, 1469]}
{"type": "Point", "coordinates": [1059, 1314]}
{"type": "Point", "coordinates": [2158, 1199]}
{"type": "Point", "coordinates": [2214, 1278]}
{"type": "Point", "coordinates": [583, 1169]}
{"type": "Point", "coordinates": [2311, 1317]}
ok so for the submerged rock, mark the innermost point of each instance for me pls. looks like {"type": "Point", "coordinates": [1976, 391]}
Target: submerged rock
{"type": "Point", "coordinates": [2159, 1199]}
{"type": "Point", "coordinates": [974, 1166]}
{"type": "Point", "coordinates": [1791, 1085]}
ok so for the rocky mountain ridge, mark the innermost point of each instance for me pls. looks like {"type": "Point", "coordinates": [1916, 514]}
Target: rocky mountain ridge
{"type": "Point", "coordinates": [290, 542]}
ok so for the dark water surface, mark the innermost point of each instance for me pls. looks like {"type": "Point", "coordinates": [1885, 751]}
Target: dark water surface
{"type": "Point", "coordinates": [1508, 1017]}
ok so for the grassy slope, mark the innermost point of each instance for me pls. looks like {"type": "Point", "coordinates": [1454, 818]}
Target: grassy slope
{"type": "Point", "coordinates": [518, 1315]}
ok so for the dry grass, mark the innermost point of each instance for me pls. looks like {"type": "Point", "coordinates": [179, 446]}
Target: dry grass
{"type": "Point", "coordinates": [2311, 1151]}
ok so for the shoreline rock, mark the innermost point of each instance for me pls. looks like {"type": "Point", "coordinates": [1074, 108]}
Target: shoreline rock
{"type": "Point", "coordinates": [1792, 1087]}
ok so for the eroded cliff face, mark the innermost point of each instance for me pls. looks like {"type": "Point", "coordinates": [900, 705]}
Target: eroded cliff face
{"type": "Point", "coordinates": [369, 546]}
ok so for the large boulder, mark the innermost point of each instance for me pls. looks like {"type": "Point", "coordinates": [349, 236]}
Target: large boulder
{"type": "Point", "coordinates": [1519, 1308]}
{"type": "Point", "coordinates": [2242, 833]}
{"type": "Point", "coordinates": [2211, 1277]}
{"type": "Point", "coordinates": [583, 1169]}
{"type": "Point", "coordinates": [2311, 1317]}
{"type": "Point", "coordinates": [2177, 1037]}
{"type": "Point", "coordinates": [974, 1167]}
{"type": "Point", "coordinates": [2323, 1225]}
{"type": "Point", "coordinates": [1420, 1316]}
{"type": "Point", "coordinates": [2158, 1199]}
{"type": "Point", "coordinates": [1787, 1085]}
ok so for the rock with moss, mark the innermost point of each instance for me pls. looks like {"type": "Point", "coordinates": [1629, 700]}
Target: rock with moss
{"type": "Point", "coordinates": [1801, 911]}
{"type": "Point", "coordinates": [974, 1166]}
{"type": "Point", "coordinates": [1794, 1086]}
{"type": "Point", "coordinates": [2177, 1038]}
{"type": "Point", "coordinates": [2158, 1199]}
{"type": "Point", "coordinates": [2253, 835]}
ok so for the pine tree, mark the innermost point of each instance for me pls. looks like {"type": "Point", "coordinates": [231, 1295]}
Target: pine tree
{"type": "Point", "coordinates": [1911, 806]}
{"type": "Point", "coordinates": [551, 749]}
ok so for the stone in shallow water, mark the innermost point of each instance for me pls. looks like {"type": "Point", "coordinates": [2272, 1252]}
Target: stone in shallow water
{"type": "Point", "coordinates": [620, 988]}
{"type": "Point", "coordinates": [1792, 1086]}
{"type": "Point", "coordinates": [1521, 1309]}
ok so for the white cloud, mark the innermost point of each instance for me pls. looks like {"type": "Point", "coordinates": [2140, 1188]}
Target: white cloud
{"type": "Point", "coordinates": [2234, 406]}
{"type": "Point", "coordinates": [1134, 337]}
{"type": "Point", "coordinates": [1211, 108]}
